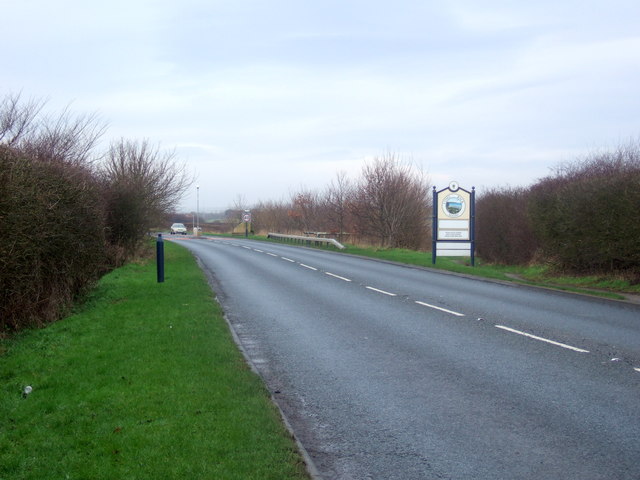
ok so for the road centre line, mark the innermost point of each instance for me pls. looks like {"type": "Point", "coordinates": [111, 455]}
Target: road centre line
{"type": "Point", "coordinates": [457, 314]}
{"type": "Point", "coordinates": [382, 291]}
{"type": "Point", "coordinates": [337, 276]}
{"type": "Point", "coordinates": [502, 327]}
{"type": "Point", "coordinates": [552, 342]}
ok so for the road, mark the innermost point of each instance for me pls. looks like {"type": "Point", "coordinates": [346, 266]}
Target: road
{"type": "Point", "coordinates": [394, 372]}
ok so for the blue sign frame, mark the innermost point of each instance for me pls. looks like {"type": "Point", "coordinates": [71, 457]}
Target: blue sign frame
{"type": "Point", "coordinates": [453, 188]}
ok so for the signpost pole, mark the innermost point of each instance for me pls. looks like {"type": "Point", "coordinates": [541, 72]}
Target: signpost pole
{"type": "Point", "coordinates": [247, 218]}
{"type": "Point", "coordinates": [472, 225]}
{"type": "Point", "coordinates": [434, 227]}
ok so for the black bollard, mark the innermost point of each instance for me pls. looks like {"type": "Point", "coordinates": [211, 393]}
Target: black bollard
{"type": "Point", "coordinates": [160, 258]}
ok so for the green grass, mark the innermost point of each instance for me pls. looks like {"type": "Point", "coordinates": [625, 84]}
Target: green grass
{"type": "Point", "coordinates": [538, 275]}
{"type": "Point", "coordinates": [144, 382]}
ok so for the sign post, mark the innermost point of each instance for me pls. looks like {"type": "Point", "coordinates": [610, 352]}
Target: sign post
{"type": "Point", "coordinates": [247, 219]}
{"type": "Point", "coordinates": [453, 222]}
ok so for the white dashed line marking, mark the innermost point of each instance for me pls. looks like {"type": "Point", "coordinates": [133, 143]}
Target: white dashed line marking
{"type": "Point", "coordinates": [457, 314]}
{"type": "Point", "coordinates": [558, 344]}
{"type": "Point", "coordinates": [337, 276]}
{"type": "Point", "coordinates": [382, 291]}
{"type": "Point", "coordinates": [636, 369]}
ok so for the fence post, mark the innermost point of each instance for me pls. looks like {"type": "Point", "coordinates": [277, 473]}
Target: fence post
{"type": "Point", "coordinates": [160, 258]}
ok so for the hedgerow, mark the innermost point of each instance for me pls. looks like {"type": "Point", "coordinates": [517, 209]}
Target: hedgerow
{"type": "Point", "coordinates": [585, 218]}
{"type": "Point", "coordinates": [61, 209]}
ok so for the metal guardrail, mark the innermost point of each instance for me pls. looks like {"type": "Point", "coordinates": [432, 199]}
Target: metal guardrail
{"type": "Point", "coordinates": [306, 240]}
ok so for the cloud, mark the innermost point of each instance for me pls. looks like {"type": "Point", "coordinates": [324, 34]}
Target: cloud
{"type": "Point", "coordinates": [266, 96]}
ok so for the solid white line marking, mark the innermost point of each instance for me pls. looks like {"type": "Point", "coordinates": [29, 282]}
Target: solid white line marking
{"type": "Point", "coordinates": [382, 291]}
{"type": "Point", "coordinates": [457, 314]}
{"type": "Point", "coordinates": [309, 267]}
{"type": "Point", "coordinates": [272, 254]}
{"type": "Point", "coordinates": [558, 344]}
{"type": "Point", "coordinates": [288, 259]}
{"type": "Point", "coordinates": [337, 276]}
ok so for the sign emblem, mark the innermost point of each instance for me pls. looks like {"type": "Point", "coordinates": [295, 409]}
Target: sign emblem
{"type": "Point", "coordinates": [453, 205]}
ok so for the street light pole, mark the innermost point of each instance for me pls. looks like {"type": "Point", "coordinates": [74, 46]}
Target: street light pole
{"type": "Point", "coordinates": [198, 209]}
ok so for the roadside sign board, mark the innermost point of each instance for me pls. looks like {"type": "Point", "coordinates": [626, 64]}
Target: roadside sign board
{"type": "Point", "coordinates": [453, 222]}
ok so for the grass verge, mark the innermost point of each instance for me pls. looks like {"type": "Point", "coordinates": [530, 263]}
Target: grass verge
{"type": "Point", "coordinates": [537, 275]}
{"type": "Point", "coordinates": [144, 382]}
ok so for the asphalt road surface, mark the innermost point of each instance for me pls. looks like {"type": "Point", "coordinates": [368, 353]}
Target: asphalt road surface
{"type": "Point", "coordinates": [394, 372]}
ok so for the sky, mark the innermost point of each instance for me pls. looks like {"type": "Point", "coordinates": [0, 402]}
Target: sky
{"type": "Point", "coordinates": [260, 99]}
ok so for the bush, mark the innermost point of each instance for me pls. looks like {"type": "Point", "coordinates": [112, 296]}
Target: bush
{"type": "Point", "coordinates": [62, 222]}
{"type": "Point", "coordinates": [141, 186]}
{"type": "Point", "coordinates": [52, 244]}
{"type": "Point", "coordinates": [504, 233]}
{"type": "Point", "coordinates": [587, 216]}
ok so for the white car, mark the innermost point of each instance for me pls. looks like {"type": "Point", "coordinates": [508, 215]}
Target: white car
{"type": "Point", "coordinates": [178, 228]}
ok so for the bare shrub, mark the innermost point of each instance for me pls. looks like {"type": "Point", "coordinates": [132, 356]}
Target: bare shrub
{"type": "Point", "coordinates": [142, 186]}
{"type": "Point", "coordinates": [272, 216]}
{"type": "Point", "coordinates": [390, 204]}
{"type": "Point", "coordinates": [504, 234]}
{"type": "Point", "coordinates": [17, 119]}
{"type": "Point", "coordinates": [306, 211]}
{"type": "Point", "coordinates": [336, 205]}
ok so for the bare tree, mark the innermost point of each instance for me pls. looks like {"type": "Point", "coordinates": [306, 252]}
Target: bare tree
{"type": "Point", "coordinates": [234, 214]}
{"type": "Point", "coordinates": [336, 203]}
{"type": "Point", "coordinates": [271, 216]}
{"type": "Point", "coordinates": [305, 206]}
{"type": "Point", "coordinates": [142, 186]}
{"type": "Point", "coordinates": [390, 203]}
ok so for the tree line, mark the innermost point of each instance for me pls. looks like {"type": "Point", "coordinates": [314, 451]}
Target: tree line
{"type": "Point", "coordinates": [387, 206]}
{"type": "Point", "coordinates": [583, 218]}
{"type": "Point", "coordinates": [68, 212]}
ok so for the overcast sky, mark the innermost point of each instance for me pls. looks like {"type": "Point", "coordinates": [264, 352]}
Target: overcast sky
{"type": "Point", "coordinates": [261, 98]}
